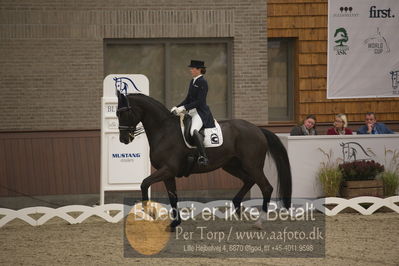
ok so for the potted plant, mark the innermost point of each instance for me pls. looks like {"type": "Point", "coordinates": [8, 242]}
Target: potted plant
{"type": "Point", "coordinates": [390, 176]}
{"type": "Point", "coordinates": [330, 176]}
{"type": "Point", "coordinates": [391, 183]}
{"type": "Point", "coordinates": [360, 179]}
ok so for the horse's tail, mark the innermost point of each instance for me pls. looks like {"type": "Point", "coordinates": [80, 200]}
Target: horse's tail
{"type": "Point", "coordinates": [280, 157]}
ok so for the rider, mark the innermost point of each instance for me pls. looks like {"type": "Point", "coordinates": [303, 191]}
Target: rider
{"type": "Point", "coordinates": [195, 104]}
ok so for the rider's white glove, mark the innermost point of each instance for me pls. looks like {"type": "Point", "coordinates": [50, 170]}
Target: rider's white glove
{"type": "Point", "coordinates": [173, 108]}
{"type": "Point", "coordinates": [180, 110]}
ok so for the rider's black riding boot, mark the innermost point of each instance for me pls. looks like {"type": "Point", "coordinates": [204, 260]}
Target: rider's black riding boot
{"type": "Point", "coordinates": [198, 139]}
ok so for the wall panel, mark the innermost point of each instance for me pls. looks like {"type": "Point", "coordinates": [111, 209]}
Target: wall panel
{"type": "Point", "coordinates": [306, 20]}
{"type": "Point", "coordinates": [68, 162]}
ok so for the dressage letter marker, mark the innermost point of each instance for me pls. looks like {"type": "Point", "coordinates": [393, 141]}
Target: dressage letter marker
{"type": "Point", "coordinates": [123, 167]}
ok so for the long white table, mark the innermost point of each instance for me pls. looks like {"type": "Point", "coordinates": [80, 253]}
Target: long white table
{"type": "Point", "coordinates": [306, 158]}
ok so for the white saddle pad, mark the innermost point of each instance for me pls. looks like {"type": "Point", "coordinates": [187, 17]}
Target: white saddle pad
{"type": "Point", "coordinates": [213, 136]}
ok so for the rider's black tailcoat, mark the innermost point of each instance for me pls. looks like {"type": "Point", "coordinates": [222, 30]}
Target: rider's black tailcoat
{"type": "Point", "coordinates": [196, 98]}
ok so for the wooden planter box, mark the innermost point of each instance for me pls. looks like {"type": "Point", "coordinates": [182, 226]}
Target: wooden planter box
{"type": "Point", "coordinates": [352, 189]}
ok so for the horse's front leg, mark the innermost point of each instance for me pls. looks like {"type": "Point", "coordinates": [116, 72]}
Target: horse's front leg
{"type": "Point", "coordinates": [170, 185]}
{"type": "Point", "coordinates": [161, 174]}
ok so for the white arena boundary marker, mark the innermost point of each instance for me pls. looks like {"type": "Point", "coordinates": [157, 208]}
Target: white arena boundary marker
{"type": "Point", "coordinates": [123, 167]}
{"type": "Point", "coordinates": [102, 211]}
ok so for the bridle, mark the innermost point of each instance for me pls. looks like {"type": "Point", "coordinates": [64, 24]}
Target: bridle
{"type": "Point", "coordinates": [132, 130]}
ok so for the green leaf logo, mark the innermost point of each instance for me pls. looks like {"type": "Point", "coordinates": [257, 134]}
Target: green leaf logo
{"type": "Point", "coordinates": [342, 36]}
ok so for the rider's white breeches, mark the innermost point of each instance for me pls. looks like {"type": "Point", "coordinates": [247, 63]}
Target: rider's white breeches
{"type": "Point", "coordinates": [196, 122]}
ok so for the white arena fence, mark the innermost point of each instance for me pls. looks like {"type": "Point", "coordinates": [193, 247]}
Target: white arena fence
{"type": "Point", "coordinates": [335, 206]}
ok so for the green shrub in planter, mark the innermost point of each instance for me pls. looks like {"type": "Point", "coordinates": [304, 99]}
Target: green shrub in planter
{"type": "Point", "coordinates": [360, 170]}
{"type": "Point", "coordinates": [329, 175]}
{"type": "Point", "coordinates": [390, 176]}
{"type": "Point", "coordinates": [391, 182]}
{"type": "Point", "coordinates": [330, 178]}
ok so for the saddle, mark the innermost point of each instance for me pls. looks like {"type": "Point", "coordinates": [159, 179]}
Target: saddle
{"type": "Point", "coordinates": [212, 136]}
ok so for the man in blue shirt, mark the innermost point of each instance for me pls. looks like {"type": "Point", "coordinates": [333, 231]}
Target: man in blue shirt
{"type": "Point", "coordinates": [372, 127]}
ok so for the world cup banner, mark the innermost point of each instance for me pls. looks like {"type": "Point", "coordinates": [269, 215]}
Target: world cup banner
{"type": "Point", "coordinates": [363, 49]}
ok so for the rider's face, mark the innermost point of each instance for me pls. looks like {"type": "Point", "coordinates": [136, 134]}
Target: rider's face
{"type": "Point", "coordinates": [195, 71]}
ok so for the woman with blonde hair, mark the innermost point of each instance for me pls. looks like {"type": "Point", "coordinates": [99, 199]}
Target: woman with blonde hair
{"type": "Point", "coordinates": [340, 126]}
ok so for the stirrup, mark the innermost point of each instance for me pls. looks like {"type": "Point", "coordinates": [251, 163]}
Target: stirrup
{"type": "Point", "coordinates": [202, 160]}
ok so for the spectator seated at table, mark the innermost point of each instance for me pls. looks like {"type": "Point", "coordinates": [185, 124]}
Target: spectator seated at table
{"type": "Point", "coordinates": [340, 126]}
{"type": "Point", "coordinates": [372, 127]}
{"type": "Point", "coordinates": [308, 127]}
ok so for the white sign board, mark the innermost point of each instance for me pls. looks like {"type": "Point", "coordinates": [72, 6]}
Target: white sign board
{"type": "Point", "coordinates": [123, 167]}
{"type": "Point", "coordinates": [306, 158]}
{"type": "Point", "coordinates": [363, 49]}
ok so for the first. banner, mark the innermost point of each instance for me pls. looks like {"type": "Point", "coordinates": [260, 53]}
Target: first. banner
{"type": "Point", "coordinates": [363, 49]}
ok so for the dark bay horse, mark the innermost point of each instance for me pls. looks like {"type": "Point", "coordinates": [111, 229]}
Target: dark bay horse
{"type": "Point", "coordinates": [242, 153]}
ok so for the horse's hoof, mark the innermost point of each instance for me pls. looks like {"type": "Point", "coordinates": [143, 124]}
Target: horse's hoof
{"type": "Point", "coordinates": [175, 223]}
{"type": "Point", "coordinates": [170, 229]}
{"type": "Point", "coordinates": [238, 211]}
{"type": "Point", "coordinates": [258, 225]}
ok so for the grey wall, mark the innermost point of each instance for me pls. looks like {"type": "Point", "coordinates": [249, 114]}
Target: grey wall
{"type": "Point", "coordinates": [51, 54]}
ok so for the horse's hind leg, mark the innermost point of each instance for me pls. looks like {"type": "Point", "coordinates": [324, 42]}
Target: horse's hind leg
{"type": "Point", "coordinates": [170, 185]}
{"type": "Point", "coordinates": [267, 190]}
{"type": "Point", "coordinates": [237, 171]}
{"type": "Point", "coordinates": [248, 184]}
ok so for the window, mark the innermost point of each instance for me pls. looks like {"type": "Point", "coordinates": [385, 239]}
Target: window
{"type": "Point", "coordinates": [165, 62]}
{"type": "Point", "coordinates": [281, 79]}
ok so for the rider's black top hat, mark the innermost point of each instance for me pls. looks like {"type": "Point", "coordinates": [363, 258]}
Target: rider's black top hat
{"type": "Point", "coordinates": [197, 64]}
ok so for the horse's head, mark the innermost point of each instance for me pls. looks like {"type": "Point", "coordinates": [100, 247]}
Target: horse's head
{"type": "Point", "coordinates": [128, 119]}
{"type": "Point", "coordinates": [348, 152]}
{"type": "Point", "coordinates": [120, 85]}
{"type": "Point", "coordinates": [123, 84]}
{"type": "Point", "coordinates": [345, 151]}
